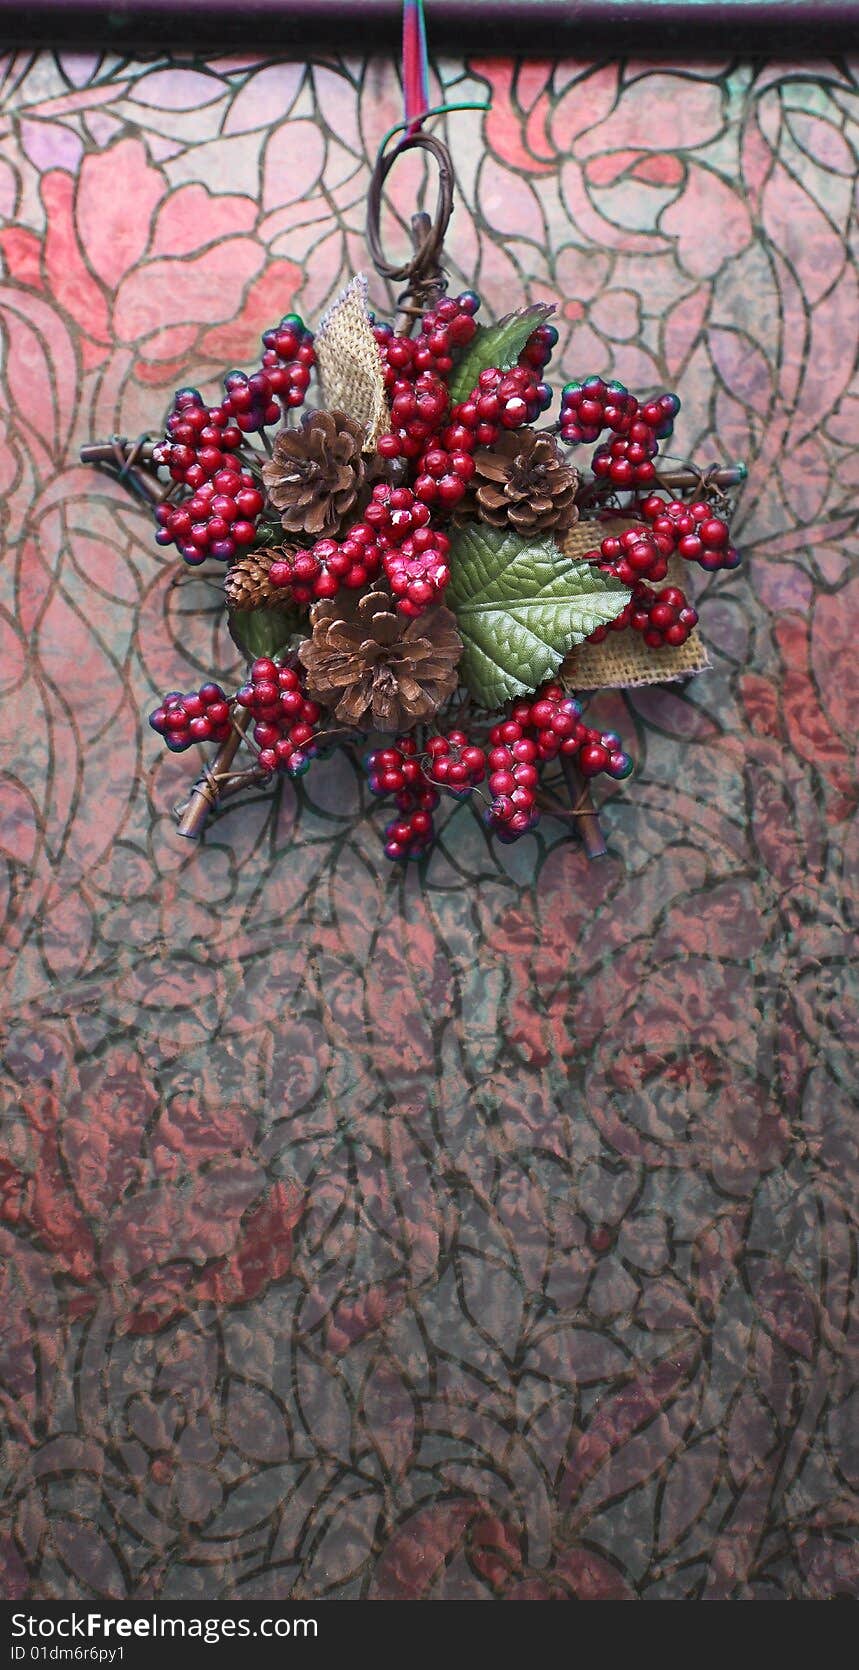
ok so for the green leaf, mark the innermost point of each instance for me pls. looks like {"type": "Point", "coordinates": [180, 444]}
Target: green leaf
{"type": "Point", "coordinates": [520, 605]}
{"type": "Point", "coordinates": [262, 631]}
{"type": "Point", "coordinates": [268, 533]}
{"type": "Point", "coordinates": [499, 344]}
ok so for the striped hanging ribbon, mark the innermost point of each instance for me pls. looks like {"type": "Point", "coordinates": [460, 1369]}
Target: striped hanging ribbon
{"type": "Point", "coordinates": [415, 66]}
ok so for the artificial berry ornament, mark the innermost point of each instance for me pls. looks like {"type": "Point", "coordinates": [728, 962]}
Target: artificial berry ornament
{"type": "Point", "coordinates": [445, 330]}
{"type": "Point", "coordinates": [408, 545]}
{"type": "Point", "coordinates": [250, 401]}
{"type": "Point", "coordinates": [218, 520]}
{"type": "Point", "coordinates": [418, 410]}
{"type": "Point", "coordinates": [284, 717]}
{"type": "Point", "coordinates": [410, 835]}
{"type": "Point", "coordinates": [627, 461]}
{"type": "Point", "coordinates": [589, 407]}
{"type": "Point", "coordinates": [455, 763]}
{"type": "Point", "coordinates": [395, 770]}
{"type": "Point", "coordinates": [636, 554]}
{"type": "Point", "coordinates": [200, 716]}
{"type": "Point", "coordinates": [662, 617]}
{"type": "Point", "coordinates": [395, 512]}
{"type": "Point", "coordinates": [418, 570]}
{"type": "Point", "coordinates": [551, 726]}
{"type": "Point", "coordinates": [694, 531]}
{"type": "Point", "coordinates": [398, 772]}
{"type": "Point", "coordinates": [304, 574]}
{"type": "Point", "coordinates": [513, 778]}
{"type": "Point", "coordinates": [288, 359]}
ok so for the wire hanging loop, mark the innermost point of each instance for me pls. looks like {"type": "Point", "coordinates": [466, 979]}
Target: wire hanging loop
{"type": "Point", "coordinates": [423, 274]}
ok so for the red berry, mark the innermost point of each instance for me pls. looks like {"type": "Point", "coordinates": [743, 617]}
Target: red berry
{"type": "Point", "coordinates": [593, 758]}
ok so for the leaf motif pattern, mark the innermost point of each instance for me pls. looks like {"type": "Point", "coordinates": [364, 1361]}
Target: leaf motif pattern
{"type": "Point", "coordinates": [488, 1230]}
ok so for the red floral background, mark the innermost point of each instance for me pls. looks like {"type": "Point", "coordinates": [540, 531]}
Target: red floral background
{"type": "Point", "coordinates": [483, 1230]}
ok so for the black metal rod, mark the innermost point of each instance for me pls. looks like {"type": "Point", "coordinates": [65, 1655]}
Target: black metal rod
{"type": "Point", "coordinates": [777, 27]}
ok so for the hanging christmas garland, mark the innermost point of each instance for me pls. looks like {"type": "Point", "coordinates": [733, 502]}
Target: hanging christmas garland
{"type": "Point", "coordinates": [414, 556]}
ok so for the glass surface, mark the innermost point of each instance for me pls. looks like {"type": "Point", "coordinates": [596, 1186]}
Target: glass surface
{"type": "Point", "coordinates": [482, 1230]}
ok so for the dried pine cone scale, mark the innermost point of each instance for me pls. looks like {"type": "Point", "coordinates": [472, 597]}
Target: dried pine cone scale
{"type": "Point", "coordinates": [374, 668]}
{"type": "Point", "coordinates": [316, 473]}
{"type": "Point", "coordinates": [524, 481]}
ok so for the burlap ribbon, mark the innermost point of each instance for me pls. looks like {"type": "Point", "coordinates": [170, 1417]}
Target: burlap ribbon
{"type": "Point", "coordinates": [349, 364]}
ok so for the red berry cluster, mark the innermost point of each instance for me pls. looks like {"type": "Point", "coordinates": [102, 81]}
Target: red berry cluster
{"type": "Point", "coordinates": [414, 553]}
{"type": "Point", "coordinates": [395, 513]}
{"type": "Point", "coordinates": [500, 400]}
{"type": "Point", "coordinates": [513, 778]}
{"type": "Point", "coordinates": [201, 716]}
{"type": "Point", "coordinates": [554, 719]}
{"type": "Point", "coordinates": [537, 351]}
{"type": "Point", "coordinates": [220, 516]}
{"type": "Point", "coordinates": [417, 570]}
{"type": "Point", "coordinates": [399, 771]}
{"type": "Point", "coordinates": [635, 554]}
{"type": "Point", "coordinates": [250, 400]}
{"type": "Point", "coordinates": [589, 407]}
{"type": "Point", "coordinates": [284, 717]}
{"type": "Point", "coordinates": [442, 477]}
{"type": "Point", "coordinates": [288, 358]}
{"type": "Point", "coordinates": [258, 400]}
{"type": "Point", "coordinates": [439, 443]}
{"type": "Point", "coordinates": [200, 439]}
{"type": "Point", "coordinates": [396, 770]}
{"type": "Point", "coordinates": [664, 617]}
{"type": "Point", "coordinates": [693, 530]}
{"type": "Point", "coordinates": [414, 376]}
{"type": "Point", "coordinates": [447, 326]}
{"type": "Point", "coordinates": [217, 519]}
{"type": "Point", "coordinates": [455, 763]}
{"type": "Point", "coordinates": [328, 565]}
{"type": "Point", "coordinates": [538, 729]}
{"type": "Point", "coordinates": [602, 751]}
{"type": "Point", "coordinates": [627, 460]}
{"type": "Point", "coordinates": [410, 835]}
{"type": "Point", "coordinates": [418, 407]}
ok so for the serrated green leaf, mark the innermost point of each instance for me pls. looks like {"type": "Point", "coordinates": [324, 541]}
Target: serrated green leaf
{"type": "Point", "coordinates": [262, 631]}
{"type": "Point", "coordinates": [499, 344]}
{"type": "Point", "coordinates": [520, 605]}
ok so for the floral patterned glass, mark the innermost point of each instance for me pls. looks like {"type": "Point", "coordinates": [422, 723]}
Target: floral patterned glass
{"type": "Point", "coordinates": [481, 1230]}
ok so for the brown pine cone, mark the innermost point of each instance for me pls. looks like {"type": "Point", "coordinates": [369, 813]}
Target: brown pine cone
{"type": "Point", "coordinates": [523, 481]}
{"type": "Point", "coordinates": [316, 473]}
{"type": "Point", "coordinates": [376, 669]}
{"type": "Point", "coordinates": [247, 585]}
